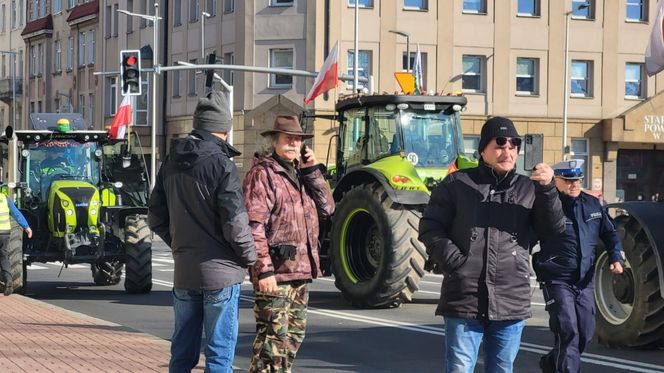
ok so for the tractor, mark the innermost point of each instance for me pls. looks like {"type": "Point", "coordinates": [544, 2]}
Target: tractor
{"type": "Point", "coordinates": [85, 197]}
{"type": "Point", "coordinates": [630, 307]}
{"type": "Point", "coordinates": [391, 150]}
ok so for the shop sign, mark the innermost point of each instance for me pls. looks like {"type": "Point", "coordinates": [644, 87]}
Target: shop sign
{"type": "Point", "coordinates": [654, 124]}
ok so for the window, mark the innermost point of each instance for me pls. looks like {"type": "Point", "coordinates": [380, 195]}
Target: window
{"type": "Point", "coordinates": [33, 60]}
{"type": "Point", "coordinates": [636, 11]}
{"type": "Point", "coordinates": [580, 149]}
{"type": "Point", "coordinates": [229, 6]}
{"type": "Point", "coordinates": [35, 10]}
{"type": "Point", "coordinates": [116, 19]}
{"type": "Point", "coordinates": [194, 10]}
{"type": "Point", "coordinates": [634, 81]}
{"type": "Point", "coordinates": [91, 46]}
{"type": "Point", "coordinates": [81, 48]}
{"type": "Point", "coordinates": [581, 74]}
{"type": "Point", "coordinates": [361, 3]}
{"type": "Point", "coordinates": [176, 83]}
{"type": "Point", "coordinates": [474, 6]}
{"type": "Point", "coordinates": [42, 8]}
{"type": "Point", "coordinates": [177, 13]}
{"type": "Point", "coordinates": [586, 12]}
{"type": "Point", "coordinates": [109, 25]}
{"type": "Point", "coordinates": [14, 14]}
{"type": "Point", "coordinates": [528, 8]}
{"type": "Point", "coordinates": [91, 100]}
{"type": "Point", "coordinates": [415, 4]}
{"type": "Point", "coordinates": [470, 145]}
{"type": "Point", "coordinates": [71, 4]}
{"type": "Point", "coordinates": [40, 58]}
{"type": "Point", "coordinates": [142, 102]}
{"type": "Point", "coordinates": [281, 58]}
{"type": "Point", "coordinates": [70, 53]}
{"type": "Point", "coordinates": [229, 75]}
{"type": "Point", "coordinates": [81, 105]}
{"type": "Point", "coordinates": [212, 7]}
{"type": "Point", "coordinates": [130, 20]}
{"type": "Point", "coordinates": [404, 66]}
{"type": "Point", "coordinates": [363, 67]}
{"type": "Point", "coordinates": [144, 9]}
{"type": "Point", "coordinates": [281, 2]}
{"type": "Point", "coordinates": [2, 18]}
{"type": "Point", "coordinates": [57, 6]}
{"type": "Point", "coordinates": [192, 80]}
{"type": "Point", "coordinates": [471, 80]}
{"type": "Point", "coordinates": [57, 56]}
{"type": "Point", "coordinates": [20, 63]}
{"type": "Point", "coordinates": [526, 76]}
{"type": "Point", "coordinates": [111, 96]}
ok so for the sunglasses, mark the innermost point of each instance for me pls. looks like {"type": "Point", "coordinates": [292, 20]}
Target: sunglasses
{"type": "Point", "coordinates": [515, 141]}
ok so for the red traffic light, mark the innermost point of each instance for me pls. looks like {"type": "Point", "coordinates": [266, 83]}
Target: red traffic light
{"type": "Point", "coordinates": [131, 60]}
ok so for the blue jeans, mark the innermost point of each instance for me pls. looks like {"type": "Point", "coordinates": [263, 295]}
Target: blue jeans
{"type": "Point", "coordinates": [216, 312]}
{"type": "Point", "coordinates": [463, 338]}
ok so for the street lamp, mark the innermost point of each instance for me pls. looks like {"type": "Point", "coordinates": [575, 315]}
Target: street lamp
{"type": "Point", "coordinates": [13, 57]}
{"type": "Point", "coordinates": [204, 16]}
{"type": "Point", "coordinates": [407, 36]}
{"type": "Point", "coordinates": [153, 134]}
{"type": "Point", "coordinates": [566, 85]}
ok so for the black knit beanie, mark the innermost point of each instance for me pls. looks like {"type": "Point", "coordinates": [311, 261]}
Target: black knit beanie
{"type": "Point", "coordinates": [496, 127]}
{"type": "Point", "coordinates": [212, 113]}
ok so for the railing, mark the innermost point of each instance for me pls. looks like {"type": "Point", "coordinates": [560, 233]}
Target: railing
{"type": "Point", "coordinates": [6, 91]}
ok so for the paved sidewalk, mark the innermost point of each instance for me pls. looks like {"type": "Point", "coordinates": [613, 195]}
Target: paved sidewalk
{"type": "Point", "coordinates": [38, 337]}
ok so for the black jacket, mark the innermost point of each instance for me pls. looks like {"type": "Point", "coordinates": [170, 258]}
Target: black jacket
{"type": "Point", "coordinates": [477, 228]}
{"type": "Point", "coordinates": [197, 208]}
{"type": "Point", "coordinates": [570, 256]}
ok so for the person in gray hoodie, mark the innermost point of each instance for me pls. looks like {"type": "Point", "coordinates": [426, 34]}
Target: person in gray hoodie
{"type": "Point", "coordinates": [197, 208]}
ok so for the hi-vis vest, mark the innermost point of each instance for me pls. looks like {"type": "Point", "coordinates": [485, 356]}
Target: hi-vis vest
{"type": "Point", "coordinates": [5, 225]}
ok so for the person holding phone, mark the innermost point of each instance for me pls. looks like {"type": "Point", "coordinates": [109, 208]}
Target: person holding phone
{"type": "Point", "coordinates": [477, 232]}
{"type": "Point", "coordinates": [284, 196]}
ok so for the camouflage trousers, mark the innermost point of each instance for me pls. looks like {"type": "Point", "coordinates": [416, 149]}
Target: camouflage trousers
{"type": "Point", "coordinates": [281, 320]}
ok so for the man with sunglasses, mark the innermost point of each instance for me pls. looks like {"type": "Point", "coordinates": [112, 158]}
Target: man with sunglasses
{"type": "Point", "coordinates": [565, 267]}
{"type": "Point", "coordinates": [477, 232]}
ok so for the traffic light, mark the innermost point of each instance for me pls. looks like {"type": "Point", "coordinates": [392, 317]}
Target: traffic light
{"type": "Point", "coordinates": [130, 71]}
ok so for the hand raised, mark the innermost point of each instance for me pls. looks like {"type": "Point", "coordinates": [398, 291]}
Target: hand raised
{"type": "Point", "coordinates": [542, 173]}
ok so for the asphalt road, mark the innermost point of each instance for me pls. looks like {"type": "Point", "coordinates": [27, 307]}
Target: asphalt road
{"type": "Point", "coordinates": [339, 338]}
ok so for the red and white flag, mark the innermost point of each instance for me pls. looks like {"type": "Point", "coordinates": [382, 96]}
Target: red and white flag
{"type": "Point", "coordinates": [328, 76]}
{"type": "Point", "coordinates": [655, 49]}
{"type": "Point", "coordinates": [121, 120]}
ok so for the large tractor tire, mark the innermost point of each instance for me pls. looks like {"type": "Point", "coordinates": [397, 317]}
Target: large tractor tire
{"type": "Point", "coordinates": [106, 273]}
{"type": "Point", "coordinates": [630, 309]}
{"type": "Point", "coordinates": [15, 243]}
{"type": "Point", "coordinates": [376, 258]}
{"type": "Point", "coordinates": [138, 256]}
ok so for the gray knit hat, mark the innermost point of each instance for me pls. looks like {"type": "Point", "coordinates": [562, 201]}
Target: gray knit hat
{"type": "Point", "coordinates": [212, 113]}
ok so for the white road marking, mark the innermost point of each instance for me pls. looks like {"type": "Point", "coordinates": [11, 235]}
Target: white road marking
{"type": "Point", "coordinates": [618, 363]}
{"type": "Point", "coordinates": [36, 267]}
{"type": "Point", "coordinates": [168, 261]}
{"type": "Point", "coordinates": [166, 269]}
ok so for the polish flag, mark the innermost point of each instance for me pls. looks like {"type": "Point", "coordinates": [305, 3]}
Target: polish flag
{"type": "Point", "coordinates": [327, 78]}
{"type": "Point", "coordinates": [121, 120]}
{"type": "Point", "coordinates": [655, 49]}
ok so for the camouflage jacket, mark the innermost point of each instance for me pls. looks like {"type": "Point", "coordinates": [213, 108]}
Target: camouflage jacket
{"type": "Point", "coordinates": [280, 213]}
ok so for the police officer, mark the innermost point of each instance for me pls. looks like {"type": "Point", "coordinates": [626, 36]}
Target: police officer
{"type": "Point", "coordinates": [565, 267]}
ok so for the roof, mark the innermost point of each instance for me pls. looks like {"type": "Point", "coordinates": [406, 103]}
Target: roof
{"type": "Point", "coordinates": [84, 10]}
{"type": "Point", "coordinates": [44, 23]}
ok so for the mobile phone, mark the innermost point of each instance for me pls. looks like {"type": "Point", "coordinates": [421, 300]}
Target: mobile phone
{"type": "Point", "coordinates": [303, 157]}
{"type": "Point", "coordinates": [533, 151]}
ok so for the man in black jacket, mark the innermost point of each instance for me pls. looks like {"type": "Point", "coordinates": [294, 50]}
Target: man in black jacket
{"type": "Point", "coordinates": [197, 208]}
{"type": "Point", "coordinates": [477, 231]}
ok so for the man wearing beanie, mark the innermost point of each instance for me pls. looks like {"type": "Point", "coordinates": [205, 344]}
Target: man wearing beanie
{"type": "Point", "coordinates": [197, 208]}
{"type": "Point", "coordinates": [477, 232]}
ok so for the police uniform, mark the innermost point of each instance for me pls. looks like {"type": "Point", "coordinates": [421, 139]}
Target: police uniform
{"type": "Point", "coordinates": [565, 268]}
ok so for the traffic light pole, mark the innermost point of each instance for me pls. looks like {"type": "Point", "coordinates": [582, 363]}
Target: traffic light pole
{"type": "Point", "coordinates": [155, 73]}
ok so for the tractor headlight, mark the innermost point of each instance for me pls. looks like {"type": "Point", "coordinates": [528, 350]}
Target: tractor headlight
{"type": "Point", "coordinates": [98, 152]}
{"type": "Point", "coordinates": [93, 212]}
{"type": "Point", "coordinates": [94, 203]}
{"type": "Point", "coordinates": [70, 212]}
{"type": "Point", "coordinates": [25, 153]}
{"type": "Point", "coordinates": [65, 203]}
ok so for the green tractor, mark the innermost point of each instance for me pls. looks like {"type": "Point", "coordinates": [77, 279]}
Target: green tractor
{"type": "Point", "coordinates": [85, 198]}
{"type": "Point", "coordinates": [391, 151]}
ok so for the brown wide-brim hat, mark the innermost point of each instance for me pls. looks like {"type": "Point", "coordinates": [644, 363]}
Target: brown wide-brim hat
{"type": "Point", "coordinates": [288, 124]}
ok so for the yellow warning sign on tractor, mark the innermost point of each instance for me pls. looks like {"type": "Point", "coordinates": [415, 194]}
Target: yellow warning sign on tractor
{"type": "Point", "coordinates": [406, 81]}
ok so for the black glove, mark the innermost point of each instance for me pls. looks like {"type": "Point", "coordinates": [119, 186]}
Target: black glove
{"type": "Point", "coordinates": [431, 266]}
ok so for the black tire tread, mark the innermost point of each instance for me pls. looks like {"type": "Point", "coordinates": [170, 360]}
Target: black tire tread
{"type": "Point", "coordinates": [138, 256]}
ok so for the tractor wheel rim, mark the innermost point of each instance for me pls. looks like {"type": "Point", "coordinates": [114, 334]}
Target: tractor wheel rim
{"type": "Point", "coordinates": [614, 294]}
{"type": "Point", "coordinates": [357, 251]}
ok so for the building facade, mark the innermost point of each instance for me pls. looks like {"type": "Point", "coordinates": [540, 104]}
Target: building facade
{"type": "Point", "coordinates": [12, 54]}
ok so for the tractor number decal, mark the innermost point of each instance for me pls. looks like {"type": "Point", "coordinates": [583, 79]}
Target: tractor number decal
{"type": "Point", "coordinates": [413, 158]}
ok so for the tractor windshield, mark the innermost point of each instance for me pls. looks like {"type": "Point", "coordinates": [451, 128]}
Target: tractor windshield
{"type": "Point", "coordinates": [60, 159]}
{"type": "Point", "coordinates": [428, 138]}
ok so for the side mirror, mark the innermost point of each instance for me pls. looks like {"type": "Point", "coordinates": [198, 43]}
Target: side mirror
{"type": "Point", "coordinates": [9, 132]}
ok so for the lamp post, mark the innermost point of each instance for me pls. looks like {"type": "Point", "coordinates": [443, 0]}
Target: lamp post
{"type": "Point", "coordinates": [204, 15]}
{"type": "Point", "coordinates": [566, 84]}
{"type": "Point", "coordinates": [155, 48]}
{"type": "Point", "coordinates": [407, 36]}
{"type": "Point", "coordinates": [13, 57]}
